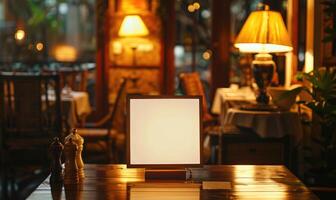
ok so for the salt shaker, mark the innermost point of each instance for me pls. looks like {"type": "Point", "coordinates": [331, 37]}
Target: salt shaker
{"type": "Point", "coordinates": [56, 149]}
{"type": "Point", "coordinates": [79, 141]}
{"type": "Point", "coordinates": [71, 169]}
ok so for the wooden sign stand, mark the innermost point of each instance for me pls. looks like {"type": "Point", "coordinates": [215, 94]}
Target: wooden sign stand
{"type": "Point", "coordinates": [166, 174]}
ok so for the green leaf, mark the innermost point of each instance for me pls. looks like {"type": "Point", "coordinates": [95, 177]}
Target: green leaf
{"type": "Point", "coordinates": [38, 14]}
{"type": "Point", "coordinates": [299, 76]}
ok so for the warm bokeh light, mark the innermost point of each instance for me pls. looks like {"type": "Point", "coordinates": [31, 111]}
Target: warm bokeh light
{"type": "Point", "coordinates": [191, 8]}
{"type": "Point", "coordinates": [206, 55]}
{"type": "Point", "coordinates": [197, 5]}
{"type": "Point", "coordinates": [65, 53]}
{"type": "Point", "coordinates": [19, 34]}
{"type": "Point", "coordinates": [39, 46]}
{"type": "Point", "coordinates": [133, 26]}
{"type": "Point", "coordinates": [117, 47]}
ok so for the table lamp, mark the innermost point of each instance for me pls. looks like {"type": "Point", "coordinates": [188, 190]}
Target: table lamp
{"type": "Point", "coordinates": [133, 26]}
{"type": "Point", "coordinates": [264, 32]}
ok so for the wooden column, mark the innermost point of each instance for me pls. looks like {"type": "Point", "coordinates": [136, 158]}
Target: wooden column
{"type": "Point", "coordinates": [168, 43]}
{"type": "Point", "coordinates": [220, 70]}
{"type": "Point", "coordinates": [293, 31]}
{"type": "Point", "coordinates": [102, 71]}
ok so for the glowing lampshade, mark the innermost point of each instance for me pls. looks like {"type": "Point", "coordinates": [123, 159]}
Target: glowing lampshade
{"type": "Point", "coordinates": [133, 26]}
{"type": "Point", "coordinates": [264, 32]}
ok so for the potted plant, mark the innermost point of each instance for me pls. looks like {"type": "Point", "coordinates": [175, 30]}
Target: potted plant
{"type": "Point", "coordinates": [322, 102]}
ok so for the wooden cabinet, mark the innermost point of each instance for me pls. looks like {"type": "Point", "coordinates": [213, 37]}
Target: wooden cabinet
{"type": "Point", "coordinates": [248, 148]}
{"type": "Point", "coordinates": [254, 153]}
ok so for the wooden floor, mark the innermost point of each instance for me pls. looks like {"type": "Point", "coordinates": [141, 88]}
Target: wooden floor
{"type": "Point", "coordinates": [118, 182]}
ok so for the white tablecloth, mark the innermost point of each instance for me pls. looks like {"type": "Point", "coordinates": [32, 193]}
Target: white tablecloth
{"type": "Point", "coordinates": [229, 97]}
{"type": "Point", "coordinates": [266, 124]}
{"type": "Point", "coordinates": [75, 106]}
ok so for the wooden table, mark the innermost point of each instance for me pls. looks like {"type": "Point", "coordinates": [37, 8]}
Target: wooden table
{"type": "Point", "coordinates": [118, 182]}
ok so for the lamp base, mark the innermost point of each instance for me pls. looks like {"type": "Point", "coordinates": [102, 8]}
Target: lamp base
{"type": "Point", "coordinates": [263, 98]}
{"type": "Point", "coordinates": [263, 68]}
{"type": "Point", "coordinates": [165, 174]}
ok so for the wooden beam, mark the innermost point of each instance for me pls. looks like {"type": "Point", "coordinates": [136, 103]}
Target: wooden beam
{"type": "Point", "coordinates": [168, 44]}
{"type": "Point", "coordinates": [293, 31]}
{"type": "Point", "coordinates": [102, 72]}
{"type": "Point", "coordinates": [220, 69]}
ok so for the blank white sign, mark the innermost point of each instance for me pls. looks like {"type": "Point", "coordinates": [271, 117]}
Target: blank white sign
{"type": "Point", "coordinates": [164, 131]}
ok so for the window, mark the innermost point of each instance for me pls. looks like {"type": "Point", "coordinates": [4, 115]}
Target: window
{"type": "Point", "coordinates": [46, 30]}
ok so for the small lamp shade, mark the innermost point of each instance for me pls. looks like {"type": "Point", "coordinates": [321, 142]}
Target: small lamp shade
{"type": "Point", "coordinates": [264, 32]}
{"type": "Point", "coordinates": [133, 26]}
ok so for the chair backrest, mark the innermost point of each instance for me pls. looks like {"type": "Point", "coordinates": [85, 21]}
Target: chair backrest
{"type": "Point", "coordinates": [192, 85]}
{"type": "Point", "coordinates": [75, 79]}
{"type": "Point", "coordinates": [30, 106]}
{"type": "Point", "coordinates": [118, 118]}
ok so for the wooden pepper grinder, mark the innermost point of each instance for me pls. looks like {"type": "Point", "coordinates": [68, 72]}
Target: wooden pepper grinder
{"type": "Point", "coordinates": [79, 141]}
{"type": "Point", "coordinates": [71, 169]}
{"type": "Point", "coordinates": [55, 150]}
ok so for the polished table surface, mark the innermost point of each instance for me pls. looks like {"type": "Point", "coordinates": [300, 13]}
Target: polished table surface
{"type": "Point", "coordinates": [118, 182]}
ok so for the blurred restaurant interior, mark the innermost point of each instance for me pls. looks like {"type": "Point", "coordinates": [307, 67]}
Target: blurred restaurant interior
{"type": "Point", "coordinates": [264, 71]}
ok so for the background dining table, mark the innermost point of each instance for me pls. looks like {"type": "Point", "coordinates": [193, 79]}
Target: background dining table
{"type": "Point", "coordinates": [226, 98]}
{"type": "Point", "coordinates": [266, 124]}
{"type": "Point", "coordinates": [75, 107]}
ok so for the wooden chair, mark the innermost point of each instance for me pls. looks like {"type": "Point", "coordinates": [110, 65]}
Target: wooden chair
{"type": "Point", "coordinates": [75, 79]}
{"type": "Point", "coordinates": [192, 85]}
{"type": "Point", "coordinates": [29, 120]}
{"type": "Point", "coordinates": [109, 132]}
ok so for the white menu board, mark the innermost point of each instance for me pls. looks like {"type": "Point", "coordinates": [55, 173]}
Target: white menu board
{"type": "Point", "coordinates": [164, 131]}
